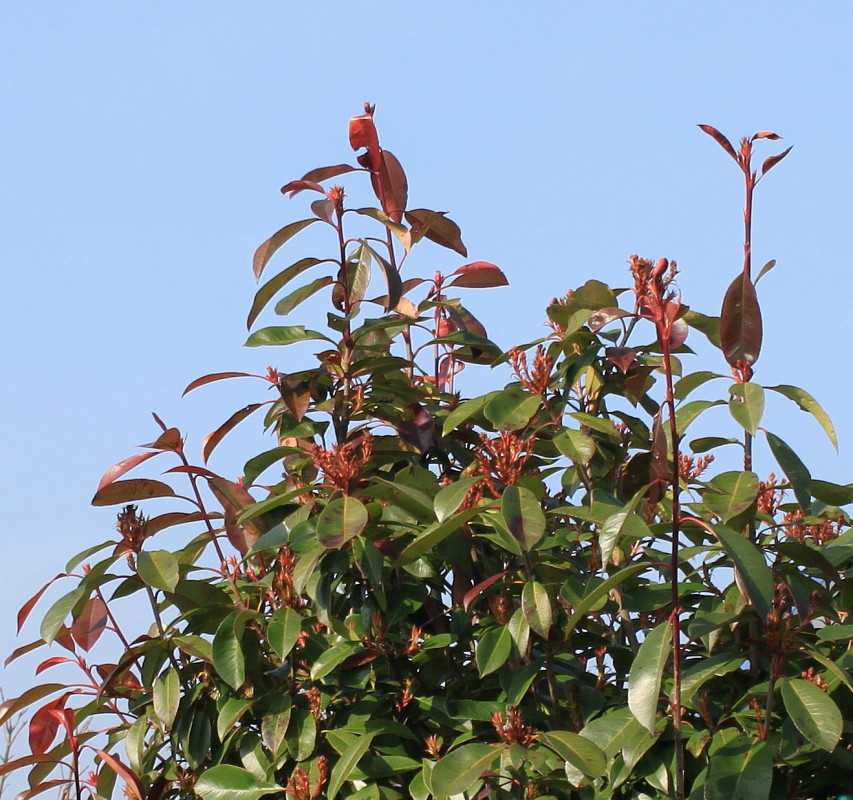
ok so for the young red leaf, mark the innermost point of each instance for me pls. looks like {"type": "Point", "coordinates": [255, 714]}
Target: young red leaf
{"type": "Point", "coordinates": [234, 498]}
{"type": "Point", "coordinates": [266, 251]}
{"type": "Point", "coordinates": [168, 440]}
{"type": "Point", "coordinates": [172, 518]}
{"type": "Point", "coordinates": [481, 587]}
{"type": "Point", "coordinates": [117, 470]}
{"type": "Point", "coordinates": [131, 490]}
{"type": "Point", "coordinates": [478, 275]}
{"type": "Point", "coordinates": [134, 786]}
{"type": "Point", "coordinates": [215, 437]}
{"type": "Point", "coordinates": [391, 186]}
{"type": "Point", "coordinates": [466, 321]}
{"type": "Point", "coordinates": [44, 725]}
{"type": "Point", "coordinates": [295, 187]}
{"type": "Point", "coordinates": [27, 607]}
{"type": "Point", "coordinates": [621, 357]}
{"type": "Point", "coordinates": [324, 173]}
{"type": "Point", "coordinates": [362, 133]}
{"type": "Point", "coordinates": [766, 135]}
{"type": "Point", "coordinates": [22, 651]}
{"type": "Point", "coordinates": [159, 421]}
{"type": "Point", "coordinates": [740, 322]}
{"type": "Point", "coordinates": [25, 761]}
{"type": "Point", "coordinates": [200, 472]}
{"type": "Point", "coordinates": [90, 623]}
{"type": "Point", "coordinates": [772, 161]}
{"type": "Point", "coordinates": [324, 210]}
{"type": "Point", "coordinates": [216, 376]}
{"type": "Point", "coordinates": [721, 140]}
{"type": "Point", "coordinates": [52, 662]}
{"type": "Point", "coordinates": [437, 228]}
{"type": "Point", "coordinates": [13, 705]}
{"type": "Point", "coordinates": [418, 429]}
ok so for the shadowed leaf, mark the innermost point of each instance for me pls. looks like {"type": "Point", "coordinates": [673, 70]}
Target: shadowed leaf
{"type": "Point", "coordinates": [215, 437]}
{"type": "Point", "coordinates": [437, 228]}
{"type": "Point", "coordinates": [131, 490]}
{"type": "Point", "coordinates": [740, 322]}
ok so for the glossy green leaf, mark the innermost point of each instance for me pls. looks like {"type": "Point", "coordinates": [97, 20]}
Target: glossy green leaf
{"type": "Point", "coordinates": [577, 750]}
{"type": "Point", "coordinates": [227, 782]}
{"type": "Point", "coordinates": [623, 524]}
{"type": "Point", "coordinates": [434, 534]}
{"type": "Point", "coordinates": [512, 409]}
{"type": "Point", "coordinates": [458, 771]}
{"type": "Point", "coordinates": [696, 675]}
{"type": "Point", "coordinates": [751, 566]}
{"type": "Point", "coordinates": [523, 515]}
{"type": "Point", "coordinates": [450, 497]}
{"type": "Point", "coordinates": [600, 591]}
{"type": "Point", "coordinates": [167, 696]}
{"type": "Point", "coordinates": [347, 763]}
{"type": "Point", "coordinates": [831, 493]}
{"type": "Point", "coordinates": [741, 769]}
{"type": "Point", "coordinates": [283, 334]}
{"type": "Point", "coordinates": [57, 614]}
{"type": "Point", "coordinates": [536, 607]}
{"type": "Point", "coordinates": [644, 680]}
{"type": "Point", "coordinates": [229, 713]}
{"type": "Point", "coordinates": [266, 251]}
{"type": "Point", "coordinates": [227, 651]}
{"type": "Point", "coordinates": [813, 711]}
{"type": "Point", "coordinates": [740, 322]}
{"type": "Point", "coordinates": [341, 520]}
{"type": "Point", "coordinates": [605, 426]}
{"type": "Point", "coordinates": [807, 403]}
{"type": "Point", "coordinates": [575, 445]}
{"type": "Point", "coordinates": [747, 405]}
{"type": "Point", "coordinates": [731, 493]}
{"type": "Point", "coordinates": [464, 411]}
{"type": "Point", "coordinates": [272, 286]}
{"type": "Point", "coordinates": [687, 413]}
{"type": "Point", "coordinates": [795, 471]}
{"type": "Point", "coordinates": [159, 569]}
{"type": "Point", "coordinates": [493, 650]}
{"type": "Point", "coordinates": [284, 306]}
{"type": "Point", "coordinates": [330, 658]}
{"type": "Point", "coordinates": [392, 278]}
{"type": "Point", "coordinates": [283, 630]}
{"type": "Point", "coordinates": [684, 386]}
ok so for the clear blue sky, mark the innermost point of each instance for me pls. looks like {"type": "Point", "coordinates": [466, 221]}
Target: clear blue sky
{"type": "Point", "coordinates": [142, 146]}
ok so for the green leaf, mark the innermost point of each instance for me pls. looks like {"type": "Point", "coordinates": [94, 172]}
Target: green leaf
{"type": "Point", "coordinates": [433, 535]}
{"type": "Point", "coordinates": [731, 493]}
{"type": "Point", "coordinates": [231, 711]}
{"type": "Point", "coordinates": [831, 493]}
{"type": "Point", "coordinates": [523, 515]}
{"type": "Point", "coordinates": [684, 386]}
{"type": "Point", "coordinates": [227, 651]}
{"type": "Point", "coordinates": [688, 412]}
{"type": "Point", "coordinates": [807, 403]}
{"type": "Point", "coordinates": [465, 411]}
{"type": "Point", "coordinates": [512, 409]}
{"type": "Point", "coordinates": [460, 770]}
{"type": "Point", "coordinates": [330, 658]}
{"type": "Point", "coordinates": [450, 497]}
{"type": "Point", "coordinates": [536, 607]}
{"type": "Point", "coordinates": [575, 445]}
{"type": "Point", "coordinates": [623, 523]}
{"type": "Point", "coordinates": [577, 750]}
{"type": "Point", "coordinates": [604, 426]}
{"type": "Point", "coordinates": [167, 696]}
{"type": "Point", "coordinates": [266, 251]}
{"type": "Point", "coordinates": [795, 471]}
{"type": "Point", "coordinates": [343, 519]}
{"type": "Point", "coordinates": [283, 630]}
{"type": "Point", "coordinates": [600, 591]}
{"type": "Point", "coordinates": [227, 782]}
{"type": "Point", "coordinates": [271, 287]}
{"type": "Point", "coordinates": [741, 769]}
{"type": "Point", "coordinates": [284, 306]}
{"type": "Point", "coordinates": [158, 569]}
{"type": "Point", "coordinates": [814, 712]}
{"type": "Point", "coordinates": [283, 334]}
{"type": "Point", "coordinates": [493, 649]}
{"type": "Point", "coordinates": [58, 612]}
{"type": "Point", "coordinates": [740, 322]}
{"type": "Point", "coordinates": [646, 674]}
{"type": "Point", "coordinates": [347, 763]}
{"type": "Point", "coordinates": [392, 278]}
{"type": "Point", "coordinates": [747, 405]}
{"type": "Point", "coordinates": [751, 566]}
{"type": "Point", "coordinates": [710, 326]}
{"type": "Point", "coordinates": [697, 674]}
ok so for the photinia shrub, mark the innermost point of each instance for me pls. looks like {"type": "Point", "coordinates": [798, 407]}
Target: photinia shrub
{"type": "Point", "coordinates": [545, 591]}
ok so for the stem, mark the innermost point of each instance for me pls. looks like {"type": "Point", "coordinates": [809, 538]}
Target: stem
{"type": "Point", "coordinates": [673, 569]}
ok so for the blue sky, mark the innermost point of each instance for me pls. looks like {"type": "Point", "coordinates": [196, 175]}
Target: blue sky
{"type": "Point", "coordinates": [142, 147]}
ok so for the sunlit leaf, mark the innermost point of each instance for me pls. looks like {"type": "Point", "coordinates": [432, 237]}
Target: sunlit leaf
{"type": "Point", "coordinates": [267, 250]}
{"type": "Point", "coordinates": [159, 569]}
{"type": "Point", "coordinates": [646, 674]}
{"type": "Point", "coordinates": [227, 782]}
{"type": "Point", "coordinates": [795, 471]}
{"type": "Point", "coordinates": [807, 403]}
{"type": "Point", "coordinates": [740, 322]}
{"type": "Point", "coordinates": [813, 711]}
{"type": "Point", "coordinates": [460, 770]}
{"type": "Point", "coordinates": [131, 490]}
{"type": "Point", "coordinates": [747, 405]}
{"type": "Point", "coordinates": [751, 566]}
{"type": "Point", "coordinates": [523, 515]}
{"type": "Point", "coordinates": [340, 521]}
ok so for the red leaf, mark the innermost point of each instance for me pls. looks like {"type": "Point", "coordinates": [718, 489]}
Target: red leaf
{"type": "Point", "coordinates": [437, 228]}
{"type": "Point", "coordinates": [394, 192]}
{"type": "Point", "coordinates": [740, 322]}
{"type": "Point", "coordinates": [216, 376]}
{"type": "Point", "coordinates": [159, 421]}
{"type": "Point", "coordinates": [27, 607]}
{"type": "Point", "coordinates": [13, 705]}
{"type": "Point", "coordinates": [23, 650]}
{"type": "Point", "coordinates": [324, 209]}
{"type": "Point", "coordinates": [52, 662]}
{"type": "Point", "coordinates": [201, 472]}
{"type": "Point", "coordinates": [621, 357]}
{"type": "Point", "coordinates": [215, 437]}
{"type": "Point", "coordinates": [362, 133]}
{"type": "Point", "coordinates": [721, 140]}
{"type": "Point", "coordinates": [766, 135]}
{"type": "Point", "coordinates": [359, 659]}
{"type": "Point", "coordinates": [772, 161]}
{"type": "Point", "coordinates": [90, 623]}
{"type": "Point", "coordinates": [478, 275]}
{"type": "Point", "coordinates": [466, 321]}
{"type": "Point", "coordinates": [296, 395]}
{"type": "Point", "coordinates": [134, 786]}
{"type": "Point", "coordinates": [131, 490]}
{"type": "Point", "coordinates": [171, 518]}
{"type": "Point", "coordinates": [168, 440]}
{"type": "Point", "coordinates": [603, 316]}
{"type": "Point", "coordinates": [659, 467]}
{"type": "Point", "coordinates": [481, 587]}
{"type": "Point", "coordinates": [25, 761]}
{"type": "Point", "coordinates": [419, 429]}
{"type": "Point", "coordinates": [234, 498]}
{"type": "Point", "coordinates": [44, 725]}
{"type": "Point", "coordinates": [117, 470]}
{"type": "Point", "coordinates": [295, 187]}
{"type": "Point", "coordinates": [44, 785]}
{"type": "Point", "coordinates": [324, 173]}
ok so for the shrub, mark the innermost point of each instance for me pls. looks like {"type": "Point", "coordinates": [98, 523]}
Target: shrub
{"type": "Point", "coordinates": [543, 591]}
